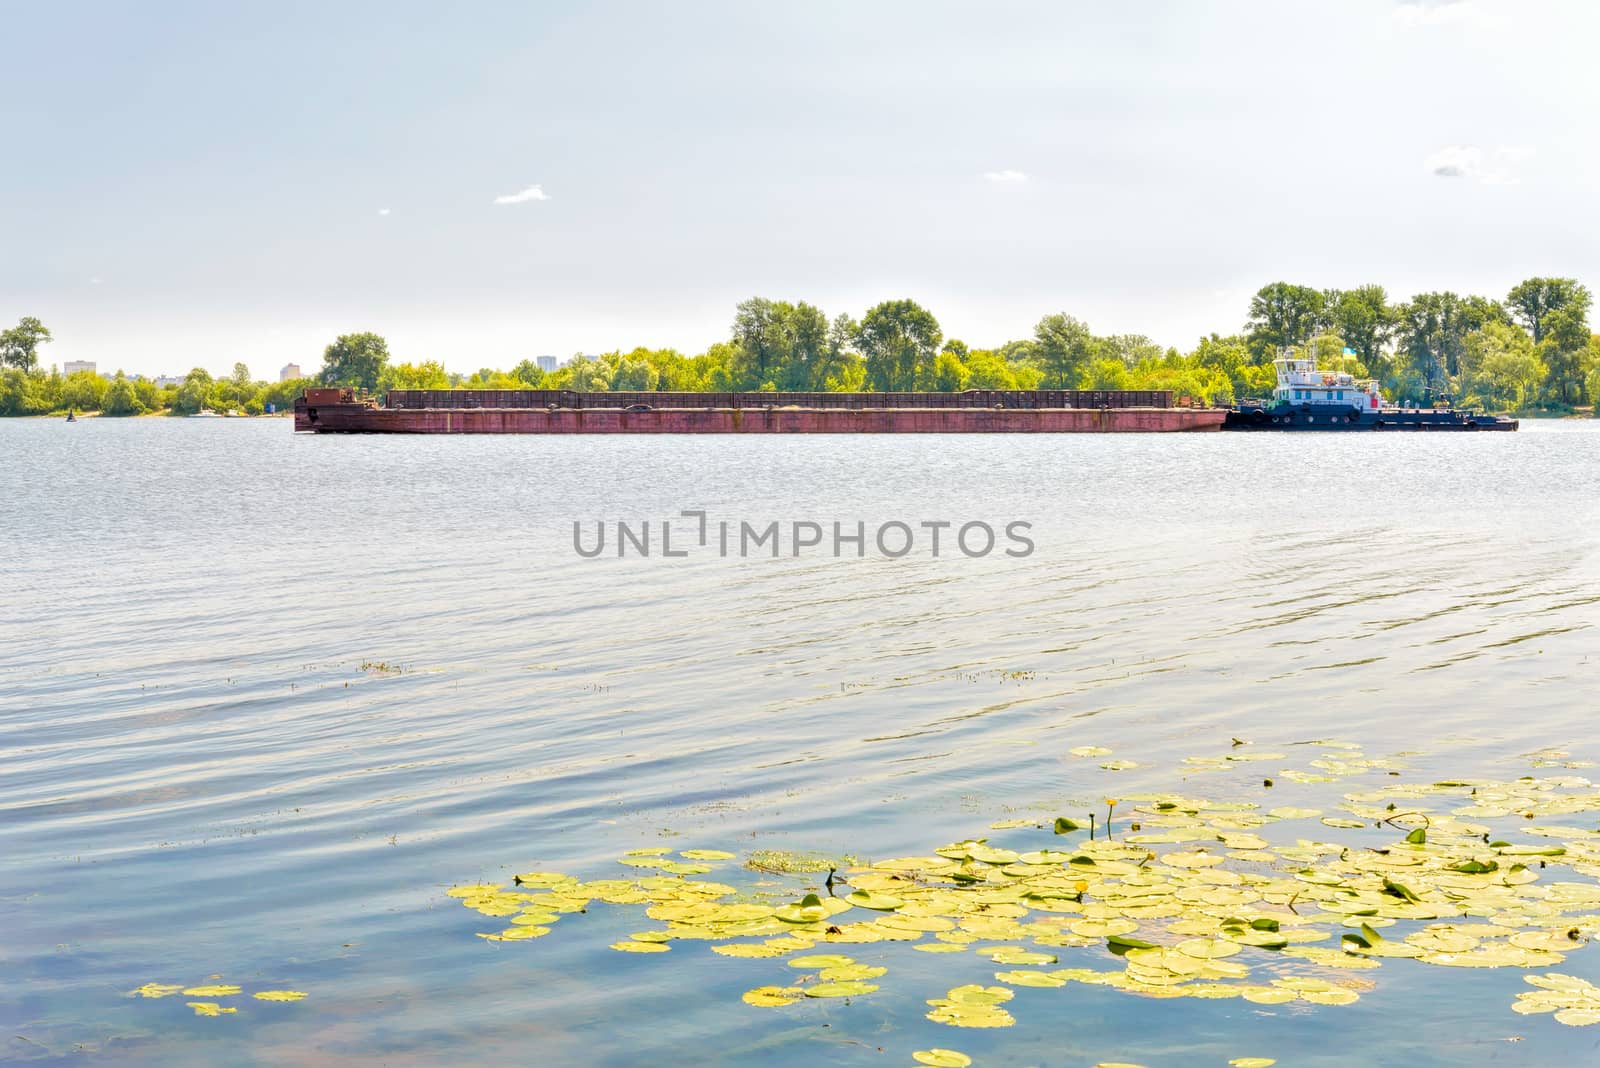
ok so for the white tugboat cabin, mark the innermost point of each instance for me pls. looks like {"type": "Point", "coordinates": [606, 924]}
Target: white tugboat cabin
{"type": "Point", "coordinates": [1301, 385]}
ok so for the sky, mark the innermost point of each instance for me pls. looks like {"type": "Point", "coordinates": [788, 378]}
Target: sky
{"type": "Point", "coordinates": [194, 184]}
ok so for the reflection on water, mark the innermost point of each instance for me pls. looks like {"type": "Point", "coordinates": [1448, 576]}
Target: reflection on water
{"type": "Point", "coordinates": [263, 697]}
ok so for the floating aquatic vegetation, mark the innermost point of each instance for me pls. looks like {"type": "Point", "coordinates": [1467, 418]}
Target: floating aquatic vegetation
{"type": "Point", "coordinates": [1199, 897]}
{"type": "Point", "coordinates": [941, 1058]}
{"type": "Point", "coordinates": [158, 990]}
{"type": "Point", "coordinates": [212, 990]}
{"type": "Point", "coordinates": [1574, 1001]}
{"type": "Point", "coordinates": [784, 862]}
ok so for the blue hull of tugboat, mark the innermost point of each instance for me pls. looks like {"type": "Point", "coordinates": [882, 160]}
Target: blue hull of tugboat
{"type": "Point", "coordinates": [1304, 418]}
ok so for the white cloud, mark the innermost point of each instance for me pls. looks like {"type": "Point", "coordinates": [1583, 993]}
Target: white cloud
{"type": "Point", "coordinates": [1006, 177]}
{"type": "Point", "coordinates": [383, 211]}
{"type": "Point", "coordinates": [1440, 13]}
{"type": "Point", "coordinates": [533, 192]}
{"type": "Point", "coordinates": [1492, 166]}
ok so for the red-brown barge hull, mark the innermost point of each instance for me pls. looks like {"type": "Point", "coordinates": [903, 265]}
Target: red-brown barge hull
{"type": "Point", "coordinates": [344, 411]}
{"type": "Point", "coordinates": [352, 419]}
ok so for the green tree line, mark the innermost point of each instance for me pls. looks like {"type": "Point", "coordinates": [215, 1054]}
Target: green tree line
{"type": "Point", "coordinates": [1531, 350]}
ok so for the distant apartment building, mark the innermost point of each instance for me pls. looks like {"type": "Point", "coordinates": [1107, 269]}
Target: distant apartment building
{"type": "Point", "coordinates": [290, 370]}
{"type": "Point", "coordinates": [546, 363]}
{"type": "Point", "coordinates": [72, 367]}
{"type": "Point", "coordinates": [167, 381]}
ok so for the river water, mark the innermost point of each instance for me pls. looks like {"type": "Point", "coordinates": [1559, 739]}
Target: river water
{"type": "Point", "coordinates": [264, 697]}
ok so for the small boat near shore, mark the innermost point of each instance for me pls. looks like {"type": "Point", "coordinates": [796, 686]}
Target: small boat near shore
{"type": "Point", "coordinates": [1310, 399]}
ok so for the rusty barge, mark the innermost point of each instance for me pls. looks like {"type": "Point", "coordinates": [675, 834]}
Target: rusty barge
{"type": "Point", "coordinates": [342, 410]}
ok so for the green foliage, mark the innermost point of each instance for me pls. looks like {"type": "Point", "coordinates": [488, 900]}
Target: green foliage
{"type": "Point", "coordinates": [1500, 369]}
{"type": "Point", "coordinates": [1282, 315]}
{"type": "Point", "coordinates": [1470, 347]}
{"type": "Point", "coordinates": [528, 373]}
{"type": "Point", "coordinates": [82, 391]}
{"type": "Point", "coordinates": [634, 375]}
{"type": "Point", "coordinates": [899, 340]}
{"type": "Point", "coordinates": [584, 375]}
{"type": "Point", "coordinates": [19, 346]}
{"type": "Point", "coordinates": [121, 398]}
{"type": "Point", "coordinates": [1365, 320]}
{"type": "Point", "coordinates": [24, 393]}
{"type": "Point", "coordinates": [194, 393]}
{"type": "Point", "coordinates": [1130, 349]}
{"type": "Point", "coordinates": [1063, 349]}
{"type": "Point", "coordinates": [1432, 331]}
{"type": "Point", "coordinates": [355, 360]}
{"type": "Point", "coordinates": [987, 369]}
{"type": "Point", "coordinates": [430, 374]}
{"type": "Point", "coordinates": [1534, 302]}
{"type": "Point", "coordinates": [1555, 312]}
{"type": "Point", "coordinates": [949, 373]}
{"type": "Point", "coordinates": [1107, 373]}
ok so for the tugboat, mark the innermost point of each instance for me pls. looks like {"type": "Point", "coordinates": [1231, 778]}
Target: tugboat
{"type": "Point", "coordinates": [1309, 399]}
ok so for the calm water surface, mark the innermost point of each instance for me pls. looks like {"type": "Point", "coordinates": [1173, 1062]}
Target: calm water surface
{"type": "Point", "coordinates": [264, 697]}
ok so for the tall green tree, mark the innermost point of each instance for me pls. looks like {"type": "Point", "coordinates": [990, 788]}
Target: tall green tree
{"type": "Point", "coordinates": [121, 398]}
{"type": "Point", "coordinates": [1535, 301]}
{"type": "Point", "coordinates": [1282, 315]}
{"type": "Point", "coordinates": [987, 369]}
{"type": "Point", "coordinates": [1365, 320]}
{"type": "Point", "coordinates": [760, 331]}
{"type": "Point", "coordinates": [194, 393]}
{"type": "Point", "coordinates": [1131, 349]}
{"type": "Point", "coordinates": [19, 346]}
{"type": "Point", "coordinates": [1432, 329]}
{"type": "Point", "coordinates": [1499, 367]}
{"type": "Point", "coordinates": [1556, 312]}
{"type": "Point", "coordinates": [1564, 350]}
{"type": "Point", "coordinates": [899, 340]}
{"type": "Point", "coordinates": [1064, 347]}
{"type": "Point", "coordinates": [949, 373]}
{"type": "Point", "coordinates": [355, 360]}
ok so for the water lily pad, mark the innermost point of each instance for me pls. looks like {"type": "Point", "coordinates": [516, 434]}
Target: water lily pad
{"type": "Point", "coordinates": [209, 1008]}
{"type": "Point", "coordinates": [772, 996]}
{"type": "Point", "coordinates": [821, 960]}
{"type": "Point", "coordinates": [1336, 996]}
{"type": "Point", "coordinates": [868, 899]}
{"type": "Point", "coordinates": [839, 990]}
{"type": "Point", "coordinates": [1089, 751]}
{"type": "Point", "coordinates": [811, 909]}
{"type": "Point", "coordinates": [706, 854]}
{"type": "Point", "coordinates": [746, 949]}
{"type": "Point", "coordinates": [640, 947]}
{"type": "Point", "coordinates": [214, 990]}
{"type": "Point", "coordinates": [1035, 979]}
{"type": "Point", "coordinates": [157, 990]}
{"type": "Point", "coordinates": [279, 995]}
{"type": "Point", "coordinates": [938, 1057]}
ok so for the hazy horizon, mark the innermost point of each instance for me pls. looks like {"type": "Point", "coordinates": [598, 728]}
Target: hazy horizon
{"type": "Point", "coordinates": [493, 182]}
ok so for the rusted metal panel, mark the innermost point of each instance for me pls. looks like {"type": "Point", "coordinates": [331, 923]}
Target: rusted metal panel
{"type": "Point", "coordinates": [1028, 400]}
